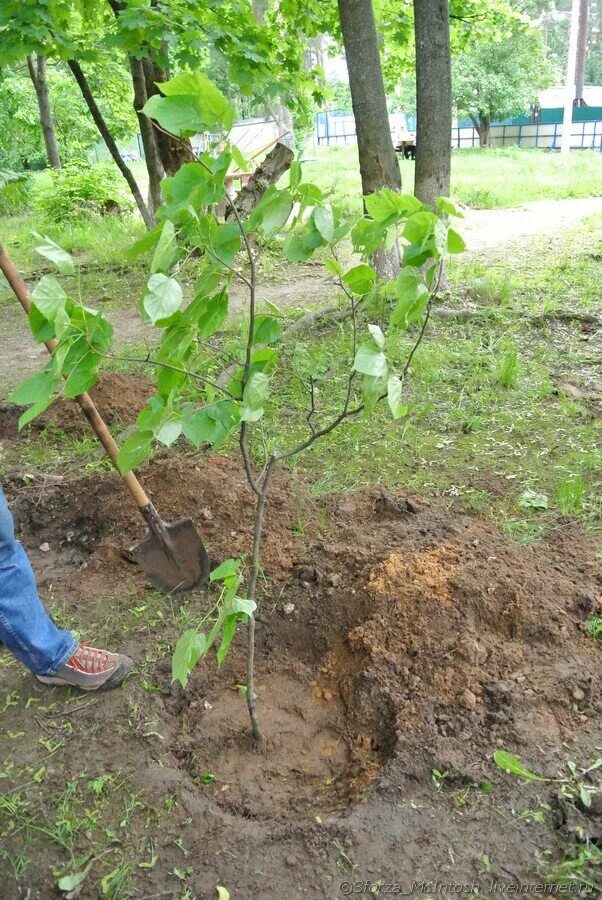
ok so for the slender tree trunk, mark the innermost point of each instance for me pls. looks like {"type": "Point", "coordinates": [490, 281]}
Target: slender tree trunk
{"type": "Point", "coordinates": [157, 159]}
{"type": "Point", "coordinates": [151, 153]}
{"type": "Point", "coordinates": [37, 73]}
{"type": "Point", "coordinates": [110, 141]}
{"type": "Point", "coordinates": [173, 151]}
{"type": "Point", "coordinates": [433, 100]}
{"type": "Point", "coordinates": [379, 167]}
{"type": "Point", "coordinates": [281, 113]}
{"type": "Point", "coordinates": [581, 51]}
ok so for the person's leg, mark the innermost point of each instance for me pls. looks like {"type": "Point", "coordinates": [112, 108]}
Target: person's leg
{"type": "Point", "coordinates": [26, 629]}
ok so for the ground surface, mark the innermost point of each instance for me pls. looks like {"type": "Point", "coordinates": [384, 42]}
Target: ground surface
{"type": "Point", "coordinates": [396, 640]}
{"type": "Point", "coordinates": [484, 230]}
{"type": "Point", "coordinates": [399, 643]}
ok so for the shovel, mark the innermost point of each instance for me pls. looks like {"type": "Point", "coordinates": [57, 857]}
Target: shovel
{"type": "Point", "coordinates": [172, 555]}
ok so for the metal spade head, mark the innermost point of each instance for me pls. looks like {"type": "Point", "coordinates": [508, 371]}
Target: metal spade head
{"type": "Point", "coordinates": [172, 556]}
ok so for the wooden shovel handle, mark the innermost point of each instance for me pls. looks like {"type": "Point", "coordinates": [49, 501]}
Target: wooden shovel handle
{"type": "Point", "coordinates": [103, 434]}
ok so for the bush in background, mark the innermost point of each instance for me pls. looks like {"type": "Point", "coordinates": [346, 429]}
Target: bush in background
{"type": "Point", "coordinates": [14, 192]}
{"type": "Point", "coordinates": [78, 189]}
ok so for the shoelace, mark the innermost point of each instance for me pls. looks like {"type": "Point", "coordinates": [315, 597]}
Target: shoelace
{"type": "Point", "coordinates": [89, 659]}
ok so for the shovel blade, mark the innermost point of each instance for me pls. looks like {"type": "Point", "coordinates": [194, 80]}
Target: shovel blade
{"type": "Point", "coordinates": [188, 567]}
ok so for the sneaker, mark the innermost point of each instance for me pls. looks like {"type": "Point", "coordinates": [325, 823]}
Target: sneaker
{"type": "Point", "coordinates": [91, 670]}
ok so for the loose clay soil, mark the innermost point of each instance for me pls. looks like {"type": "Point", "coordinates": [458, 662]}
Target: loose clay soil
{"type": "Point", "coordinates": [396, 636]}
{"type": "Point", "coordinates": [118, 398]}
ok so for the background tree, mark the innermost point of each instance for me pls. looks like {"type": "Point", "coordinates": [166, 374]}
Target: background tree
{"type": "Point", "coordinates": [37, 72]}
{"type": "Point", "coordinates": [582, 36]}
{"type": "Point", "coordinates": [21, 141]}
{"type": "Point", "coordinates": [495, 79]}
{"type": "Point", "coordinates": [552, 18]}
{"type": "Point", "coordinates": [280, 111]}
{"type": "Point", "coordinates": [433, 100]}
{"type": "Point", "coordinates": [379, 167]}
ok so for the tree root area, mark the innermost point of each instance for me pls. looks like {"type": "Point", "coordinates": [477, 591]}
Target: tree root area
{"type": "Point", "coordinates": [396, 638]}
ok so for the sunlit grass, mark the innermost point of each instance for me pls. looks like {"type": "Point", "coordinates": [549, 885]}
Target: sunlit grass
{"type": "Point", "coordinates": [484, 179]}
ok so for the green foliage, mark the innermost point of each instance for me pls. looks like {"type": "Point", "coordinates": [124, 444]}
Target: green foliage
{"type": "Point", "coordinates": [594, 627]}
{"type": "Point", "coordinates": [224, 616]}
{"type": "Point", "coordinates": [570, 495]}
{"type": "Point", "coordinates": [21, 142]}
{"type": "Point", "coordinates": [512, 764]}
{"type": "Point", "coordinates": [191, 104]}
{"type": "Point", "coordinates": [496, 78]}
{"type": "Point", "coordinates": [81, 189]}
{"type": "Point", "coordinates": [14, 192]}
{"type": "Point", "coordinates": [508, 369]}
{"type": "Point", "coordinates": [83, 336]}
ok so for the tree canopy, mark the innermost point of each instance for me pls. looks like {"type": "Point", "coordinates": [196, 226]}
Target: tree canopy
{"type": "Point", "coordinates": [494, 79]}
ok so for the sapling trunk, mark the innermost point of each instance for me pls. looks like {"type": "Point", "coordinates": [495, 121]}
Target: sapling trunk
{"type": "Point", "coordinates": [260, 503]}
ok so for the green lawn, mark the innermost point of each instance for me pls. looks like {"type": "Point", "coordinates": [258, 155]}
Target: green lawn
{"type": "Point", "coordinates": [480, 178]}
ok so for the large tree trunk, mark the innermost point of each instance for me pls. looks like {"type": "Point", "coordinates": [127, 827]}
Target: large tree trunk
{"type": "Point", "coordinates": [154, 166]}
{"type": "Point", "coordinates": [173, 151]}
{"type": "Point", "coordinates": [484, 131]}
{"type": "Point", "coordinates": [433, 100]}
{"type": "Point", "coordinates": [482, 126]}
{"type": "Point", "coordinates": [581, 52]}
{"type": "Point", "coordinates": [110, 141]}
{"type": "Point", "coordinates": [37, 73]}
{"type": "Point", "coordinates": [379, 167]}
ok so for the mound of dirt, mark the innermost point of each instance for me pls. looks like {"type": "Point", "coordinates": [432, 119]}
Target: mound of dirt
{"type": "Point", "coordinates": [97, 516]}
{"type": "Point", "coordinates": [423, 640]}
{"type": "Point", "coordinates": [118, 398]}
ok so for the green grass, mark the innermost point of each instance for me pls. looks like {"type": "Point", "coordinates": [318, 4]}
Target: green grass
{"type": "Point", "coordinates": [487, 418]}
{"type": "Point", "coordinates": [484, 179]}
{"type": "Point", "coordinates": [98, 244]}
{"type": "Point", "coordinates": [538, 275]}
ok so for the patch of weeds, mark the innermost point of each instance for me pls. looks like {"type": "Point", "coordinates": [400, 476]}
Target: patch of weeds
{"type": "Point", "coordinates": [570, 495]}
{"type": "Point", "coordinates": [439, 778]}
{"type": "Point", "coordinates": [507, 369]}
{"type": "Point", "coordinates": [594, 627]}
{"type": "Point", "coordinates": [491, 287]}
{"type": "Point", "coordinates": [580, 866]}
{"type": "Point", "coordinates": [84, 820]}
{"type": "Point", "coordinates": [114, 885]}
{"type": "Point", "coordinates": [55, 451]}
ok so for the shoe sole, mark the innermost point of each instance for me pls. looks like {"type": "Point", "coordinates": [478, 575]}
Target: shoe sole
{"type": "Point", "coordinates": [114, 680]}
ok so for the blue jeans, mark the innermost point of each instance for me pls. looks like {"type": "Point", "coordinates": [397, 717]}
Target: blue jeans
{"type": "Point", "coordinates": [26, 629]}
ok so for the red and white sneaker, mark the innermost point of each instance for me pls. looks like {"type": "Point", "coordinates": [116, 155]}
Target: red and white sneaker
{"type": "Point", "coordinates": [91, 669]}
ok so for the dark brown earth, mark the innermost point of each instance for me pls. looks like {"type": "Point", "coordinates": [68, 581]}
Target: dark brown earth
{"type": "Point", "coordinates": [118, 398]}
{"type": "Point", "coordinates": [396, 636]}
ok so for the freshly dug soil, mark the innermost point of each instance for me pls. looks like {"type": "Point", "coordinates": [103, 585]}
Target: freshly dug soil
{"type": "Point", "coordinates": [396, 638]}
{"type": "Point", "coordinates": [118, 398]}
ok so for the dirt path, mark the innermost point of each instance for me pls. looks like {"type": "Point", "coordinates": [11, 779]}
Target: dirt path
{"type": "Point", "coordinates": [488, 229]}
{"type": "Point", "coordinates": [485, 230]}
